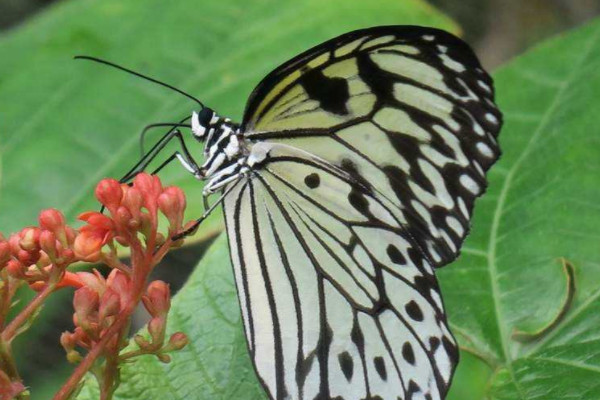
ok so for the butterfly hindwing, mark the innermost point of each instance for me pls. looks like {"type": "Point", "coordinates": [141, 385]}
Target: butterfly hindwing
{"type": "Point", "coordinates": [335, 304]}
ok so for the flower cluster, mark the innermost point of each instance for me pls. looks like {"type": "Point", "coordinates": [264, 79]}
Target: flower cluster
{"type": "Point", "coordinates": [39, 257]}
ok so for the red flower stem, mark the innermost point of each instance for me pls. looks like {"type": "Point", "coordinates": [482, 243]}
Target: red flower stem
{"type": "Point", "coordinates": [26, 313]}
{"type": "Point", "coordinates": [7, 361]}
{"type": "Point", "coordinates": [111, 369]}
{"type": "Point", "coordinates": [5, 298]}
{"type": "Point", "coordinates": [87, 363]}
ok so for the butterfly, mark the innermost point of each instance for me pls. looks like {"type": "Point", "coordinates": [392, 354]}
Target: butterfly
{"type": "Point", "coordinates": [350, 180]}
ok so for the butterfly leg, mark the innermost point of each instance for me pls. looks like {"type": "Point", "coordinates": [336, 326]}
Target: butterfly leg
{"type": "Point", "coordinates": [147, 128]}
{"type": "Point", "coordinates": [208, 210]}
{"type": "Point", "coordinates": [188, 165]}
{"type": "Point", "coordinates": [184, 157]}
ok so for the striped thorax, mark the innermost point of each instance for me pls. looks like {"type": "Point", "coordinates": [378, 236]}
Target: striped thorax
{"type": "Point", "coordinates": [225, 152]}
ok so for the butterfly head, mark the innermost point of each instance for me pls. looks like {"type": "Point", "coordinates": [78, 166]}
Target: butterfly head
{"type": "Point", "coordinates": [202, 122]}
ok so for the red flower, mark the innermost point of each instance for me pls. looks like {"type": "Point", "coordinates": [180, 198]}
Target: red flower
{"type": "Point", "coordinates": [30, 239]}
{"type": "Point", "coordinates": [172, 203]}
{"type": "Point", "coordinates": [52, 220]}
{"type": "Point", "coordinates": [157, 299]}
{"type": "Point", "coordinates": [177, 341]}
{"type": "Point", "coordinates": [150, 188]}
{"type": "Point", "coordinates": [99, 230]}
{"type": "Point", "coordinates": [85, 302]}
{"type": "Point", "coordinates": [109, 193]}
{"type": "Point", "coordinates": [110, 304]}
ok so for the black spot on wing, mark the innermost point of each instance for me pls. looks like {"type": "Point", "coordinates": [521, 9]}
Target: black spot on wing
{"type": "Point", "coordinates": [408, 353]}
{"type": "Point", "coordinates": [331, 93]}
{"type": "Point", "coordinates": [434, 343]}
{"type": "Point", "coordinates": [414, 311]}
{"type": "Point", "coordinates": [395, 255]}
{"type": "Point", "coordinates": [346, 364]}
{"type": "Point", "coordinates": [358, 201]}
{"type": "Point", "coordinates": [357, 337]}
{"type": "Point", "coordinates": [312, 181]}
{"type": "Point", "coordinates": [379, 363]}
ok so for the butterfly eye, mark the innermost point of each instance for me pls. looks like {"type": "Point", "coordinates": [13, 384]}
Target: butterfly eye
{"type": "Point", "coordinates": [201, 121]}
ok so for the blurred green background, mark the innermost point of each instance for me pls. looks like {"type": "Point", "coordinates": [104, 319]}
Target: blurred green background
{"type": "Point", "coordinates": [497, 29]}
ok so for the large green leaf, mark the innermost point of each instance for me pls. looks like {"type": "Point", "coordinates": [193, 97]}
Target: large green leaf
{"type": "Point", "coordinates": [541, 205]}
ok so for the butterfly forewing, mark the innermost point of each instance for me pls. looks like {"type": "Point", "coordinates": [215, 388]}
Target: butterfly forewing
{"type": "Point", "coordinates": [377, 145]}
{"type": "Point", "coordinates": [408, 109]}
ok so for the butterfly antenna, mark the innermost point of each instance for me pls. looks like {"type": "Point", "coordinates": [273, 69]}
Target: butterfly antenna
{"type": "Point", "coordinates": [110, 64]}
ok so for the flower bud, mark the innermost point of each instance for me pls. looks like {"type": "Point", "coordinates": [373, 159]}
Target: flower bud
{"type": "Point", "coordinates": [9, 389]}
{"type": "Point", "coordinates": [157, 299]}
{"type": "Point", "coordinates": [88, 246]}
{"type": "Point", "coordinates": [68, 341]}
{"type": "Point", "coordinates": [178, 341]}
{"type": "Point", "coordinates": [150, 188]}
{"type": "Point", "coordinates": [156, 328]}
{"type": "Point", "coordinates": [110, 304]}
{"type": "Point", "coordinates": [30, 239]}
{"type": "Point", "coordinates": [5, 254]}
{"type": "Point", "coordinates": [109, 193]}
{"type": "Point", "coordinates": [13, 242]}
{"type": "Point", "coordinates": [52, 220]}
{"type": "Point", "coordinates": [164, 358]}
{"type": "Point", "coordinates": [15, 269]}
{"type": "Point", "coordinates": [123, 217]}
{"type": "Point", "coordinates": [85, 302]}
{"type": "Point", "coordinates": [142, 342]}
{"type": "Point", "coordinates": [133, 200]}
{"type": "Point", "coordinates": [70, 236]}
{"type": "Point", "coordinates": [28, 258]}
{"type": "Point", "coordinates": [119, 282]}
{"type": "Point", "coordinates": [49, 244]}
{"type": "Point", "coordinates": [172, 204]}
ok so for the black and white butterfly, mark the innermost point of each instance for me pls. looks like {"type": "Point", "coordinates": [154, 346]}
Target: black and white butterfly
{"type": "Point", "coordinates": [351, 178]}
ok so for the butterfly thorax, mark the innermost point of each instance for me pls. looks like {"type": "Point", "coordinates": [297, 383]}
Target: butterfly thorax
{"type": "Point", "coordinates": [225, 150]}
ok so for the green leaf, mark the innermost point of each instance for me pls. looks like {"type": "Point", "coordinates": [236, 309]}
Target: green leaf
{"type": "Point", "coordinates": [542, 204]}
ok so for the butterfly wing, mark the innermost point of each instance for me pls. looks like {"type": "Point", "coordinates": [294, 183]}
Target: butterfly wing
{"type": "Point", "coordinates": [407, 109]}
{"type": "Point", "coordinates": [378, 142]}
{"type": "Point", "coordinates": [337, 301]}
